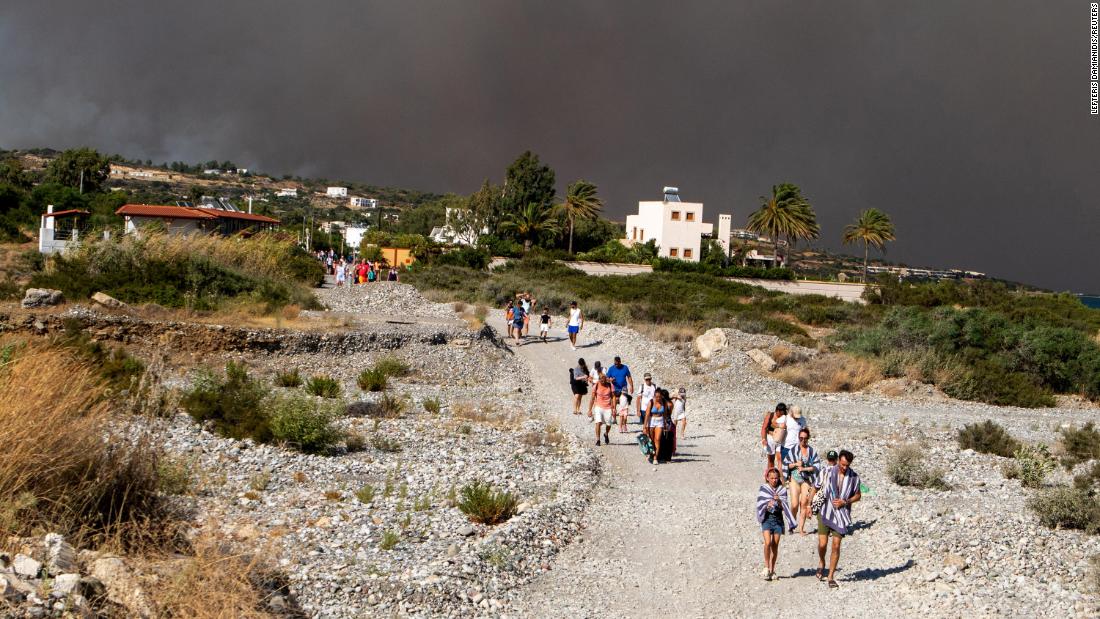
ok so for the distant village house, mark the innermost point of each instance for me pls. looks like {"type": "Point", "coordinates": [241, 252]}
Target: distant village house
{"type": "Point", "coordinates": [676, 227]}
{"type": "Point", "coordinates": [356, 202]}
{"type": "Point", "coordinates": [336, 192]}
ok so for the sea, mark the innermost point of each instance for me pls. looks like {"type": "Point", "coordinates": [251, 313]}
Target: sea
{"type": "Point", "coordinates": [1090, 300]}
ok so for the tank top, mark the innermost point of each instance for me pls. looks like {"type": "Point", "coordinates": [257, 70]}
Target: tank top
{"type": "Point", "coordinates": [575, 317]}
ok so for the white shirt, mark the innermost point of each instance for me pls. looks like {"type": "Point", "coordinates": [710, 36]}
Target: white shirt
{"type": "Point", "coordinates": [793, 428]}
{"type": "Point", "coordinates": [645, 392]}
{"type": "Point", "coordinates": [677, 407]}
{"type": "Point", "coordinates": [575, 317]}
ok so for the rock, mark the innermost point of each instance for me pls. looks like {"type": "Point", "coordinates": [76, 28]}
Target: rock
{"type": "Point", "coordinates": [467, 531]}
{"type": "Point", "coordinates": [13, 589]}
{"type": "Point", "coordinates": [42, 297]}
{"type": "Point", "coordinates": [955, 561]}
{"type": "Point", "coordinates": [711, 342]}
{"type": "Point", "coordinates": [26, 566]}
{"type": "Point", "coordinates": [452, 550]}
{"type": "Point", "coordinates": [122, 586]}
{"type": "Point", "coordinates": [65, 584]}
{"type": "Point", "coordinates": [106, 300]}
{"type": "Point", "coordinates": [522, 507]}
{"type": "Point", "coordinates": [762, 359]}
{"type": "Point", "coordinates": [60, 555]}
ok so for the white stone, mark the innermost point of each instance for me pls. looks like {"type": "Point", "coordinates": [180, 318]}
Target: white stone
{"type": "Point", "coordinates": [762, 359]}
{"type": "Point", "coordinates": [26, 566]}
{"type": "Point", "coordinates": [711, 342]}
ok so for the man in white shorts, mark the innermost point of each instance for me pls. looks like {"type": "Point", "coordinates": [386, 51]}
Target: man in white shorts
{"type": "Point", "coordinates": [600, 407]}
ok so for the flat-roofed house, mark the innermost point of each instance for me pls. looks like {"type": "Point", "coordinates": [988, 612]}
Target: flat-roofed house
{"type": "Point", "coordinates": [190, 219]}
{"type": "Point", "coordinates": [677, 227]}
{"type": "Point", "coordinates": [336, 192]}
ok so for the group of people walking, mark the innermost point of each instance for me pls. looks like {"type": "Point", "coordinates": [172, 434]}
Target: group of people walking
{"type": "Point", "coordinates": [361, 272]}
{"type": "Point", "coordinates": [613, 400]}
{"type": "Point", "coordinates": [798, 485]}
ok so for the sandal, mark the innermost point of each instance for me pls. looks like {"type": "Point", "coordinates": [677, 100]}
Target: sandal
{"type": "Point", "coordinates": [833, 585]}
{"type": "Point", "coordinates": [820, 575]}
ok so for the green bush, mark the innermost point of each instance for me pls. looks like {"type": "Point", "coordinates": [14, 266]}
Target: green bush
{"type": "Point", "coordinates": [292, 379]}
{"type": "Point", "coordinates": [1080, 444]}
{"type": "Point", "coordinates": [174, 475]}
{"type": "Point", "coordinates": [907, 467]}
{"type": "Point", "coordinates": [389, 541]}
{"type": "Point", "coordinates": [988, 381]}
{"type": "Point", "coordinates": [372, 379]}
{"type": "Point", "coordinates": [1035, 463]}
{"type": "Point", "coordinates": [385, 444]}
{"type": "Point", "coordinates": [482, 504]}
{"type": "Point", "coordinates": [1089, 479]}
{"type": "Point", "coordinates": [433, 405]}
{"type": "Point", "coordinates": [386, 407]}
{"type": "Point", "coordinates": [117, 368]}
{"type": "Point", "coordinates": [672, 265]}
{"type": "Point", "coordinates": [232, 404]}
{"type": "Point", "coordinates": [324, 386]}
{"type": "Point", "coordinates": [1067, 508]}
{"type": "Point", "coordinates": [304, 423]}
{"type": "Point", "coordinates": [392, 367]}
{"type": "Point", "coordinates": [365, 494]}
{"type": "Point", "coordinates": [988, 437]}
{"type": "Point", "coordinates": [467, 257]}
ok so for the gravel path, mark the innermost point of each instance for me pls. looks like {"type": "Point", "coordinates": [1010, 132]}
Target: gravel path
{"type": "Point", "coordinates": [681, 540]}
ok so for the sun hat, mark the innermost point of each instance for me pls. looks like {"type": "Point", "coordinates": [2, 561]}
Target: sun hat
{"type": "Point", "coordinates": [796, 411]}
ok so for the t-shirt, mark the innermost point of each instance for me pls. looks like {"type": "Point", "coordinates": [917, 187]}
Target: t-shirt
{"type": "Point", "coordinates": [575, 317]}
{"type": "Point", "coordinates": [518, 314]}
{"type": "Point", "coordinates": [677, 407]}
{"type": "Point", "coordinates": [780, 423]}
{"type": "Point", "coordinates": [793, 427]}
{"type": "Point", "coordinates": [618, 375]}
{"type": "Point", "coordinates": [526, 305]}
{"type": "Point", "coordinates": [645, 392]}
{"type": "Point", "coordinates": [579, 373]}
{"type": "Point", "coordinates": [603, 395]}
{"type": "Point", "coordinates": [546, 319]}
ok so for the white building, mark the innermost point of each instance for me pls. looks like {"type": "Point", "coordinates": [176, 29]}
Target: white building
{"type": "Point", "coordinates": [677, 227]}
{"type": "Point", "coordinates": [287, 192]}
{"type": "Point", "coordinates": [58, 229]}
{"type": "Point", "coordinates": [356, 202]}
{"type": "Point", "coordinates": [353, 235]}
{"type": "Point", "coordinates": [454, 232]}
{"type": "Point", "coordinates": [336, 192]}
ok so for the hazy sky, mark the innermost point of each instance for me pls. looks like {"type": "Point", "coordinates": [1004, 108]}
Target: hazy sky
{"type": "Point", "coordinates": [967, 121]}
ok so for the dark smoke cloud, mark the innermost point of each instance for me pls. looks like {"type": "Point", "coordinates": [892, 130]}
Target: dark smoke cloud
{"type": "Point", "coordinates": [966, 120]}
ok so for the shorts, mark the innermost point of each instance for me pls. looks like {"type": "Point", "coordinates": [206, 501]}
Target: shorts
{"type": "Point", "coordinates": [574, 328]}
{"type": "Point", "coordinates": [580, 387]}
{"type": "Point", "coordinates": [823, 529]}
{"type": "Point", "coordinates": [680, 415]}
{"type": "Point", "coordinates": [601, 415]}
{"type": "Point", "coordinates": [657, 422]}
{"type": "Point", "coordinates": [772, 446]}
{"type": "Point", "coordinates": [517, 324]}
{"type": "Point", "coordinates": [772, 526]}
{"type": "Point", "coordinates": [544, 328]}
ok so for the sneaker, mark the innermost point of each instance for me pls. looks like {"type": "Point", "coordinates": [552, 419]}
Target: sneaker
{"type": "Point", "coordinates": [765, 574]}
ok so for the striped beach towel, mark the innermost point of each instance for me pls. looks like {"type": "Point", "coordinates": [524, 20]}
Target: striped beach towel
{"type": "Point", "coordinates": [838, 519]}
{"type": "Point", "coordinates": [766, 495]}
{"type": "Point", "coordinates": [813, 459]}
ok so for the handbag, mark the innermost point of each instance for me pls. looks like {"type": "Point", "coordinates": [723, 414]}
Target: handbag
{"type": "Point", "coordinates": [817, 503]}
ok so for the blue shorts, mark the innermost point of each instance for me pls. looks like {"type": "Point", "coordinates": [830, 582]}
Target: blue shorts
{"type": "Point", "coordinates": [772, 526]}
{"type": "Point", "coordinates": [574, 329]}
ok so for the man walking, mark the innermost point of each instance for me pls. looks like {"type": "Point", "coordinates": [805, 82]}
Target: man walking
{"type": "Point", "coordinates": [600, 406]}
{"type": "Point", "coordinates": [576, 321]}
{"type": "Point", "coordinates": [621, 378]}
{"type": "Point", "coordinates": [841, 487]}
{"type": "Point", "coordinates": [645, 394]}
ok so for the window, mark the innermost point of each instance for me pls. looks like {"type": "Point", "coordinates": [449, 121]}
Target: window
{"type": "Point", "coordinates": [673, 252]}
{"type": "Point", "coordinates": [687, 253]}
{"type": "Point", "coordinates": [675, 215]}
{"type": "Point", "coordinates": [690, 216]}
{"type": "Point", "coordinates": [634, 234]}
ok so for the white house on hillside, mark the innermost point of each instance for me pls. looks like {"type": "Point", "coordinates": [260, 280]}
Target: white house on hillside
{"type": "Point", "coordinates": [287, 192]}
{"type": "Point", "coordinates": [357, 202]}
{"type": "Point", "coordinates": [677, 227]}
{"type": "Point", "coordinates": [336, 192]}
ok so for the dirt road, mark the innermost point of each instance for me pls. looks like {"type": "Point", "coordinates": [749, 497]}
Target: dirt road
{"type": "Point", "coordinates": [681, 540]}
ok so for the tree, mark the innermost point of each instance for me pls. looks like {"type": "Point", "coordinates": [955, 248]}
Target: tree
{"type": "Point", "coordinates": [530, 223]}
{"type": "Point", "coordinates": [483, 210]}
{"type": "Point", "coordinates": [785, 213]}
{"type": "Point", "coordinates": [13, 173]}
{"type": "Point", "coordinates": [527, 182]}
{"type": "Point", "coordinates": [873, 228]}
{"type": "Point", "coordinates": [81, 168]}
{"type": "Point", "coordinates": [581, 202]}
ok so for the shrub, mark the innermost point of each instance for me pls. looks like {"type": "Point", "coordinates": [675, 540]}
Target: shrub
{"type": "Point", "coordinates": [365, 494]}
{"type": "Point", "coordinates": [304, 423]}
{"type": "Point", "coordinates": [386, 407]}
{"type": "Point", "coordinates": [907, 468]}
{"type": "Point", "coordinates": [1080, 444]}
{"type": "Point", "coordinates": [174, 475]}
{"type": "Point", "coordinates": [324, 386]}
{"type": "Point", "coordinates": [433, 405]}
{"type": "Point", "coordinates": [988, 381]}
{"type": "Point", "coordinates": [1067, 508]}
{"type": "Point", "coordinates": [468, 257]}
{"type": "Point", "coordinates": [355, 442]}
{"type": "Point", "coordinates": [292, 379]}
{"type": "Point", "coordinates": [389, 540]}
{"type": "Point", "coordinates": [385, 444]}
{"type": "Point", "coordinates": [1088, 479]}
{"type": "Point", "coordinates": [115, 365]}
{"type": "Point", "coordinates": [392, 367]}
{"type": "Point", "coordinates": [988, 437]}
{"type": "Point", "coordinates": [233, 405]}
{"type": "Point", "coordinates": [1010, 469]}
{"type": "Point", "coordinates": [831, 372]}
{"type": "Point", "coordinates": [482, 504]}
{"type": "Point", "coordinates": [1035, 463]}
{"type": "Point", "coordinates": [372, 379]}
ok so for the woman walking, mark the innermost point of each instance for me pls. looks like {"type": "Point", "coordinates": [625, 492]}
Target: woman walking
{"type": "Point", "coordinates": [578, 382]}
{"type": "Point", "coordinates": [679, 417]}
{"type": "Point", "coordinates": [801, 464]}
{"type": "Point", "coordinates": [656, 420]}
{"type": "Point", "coordinates": [773, 512]}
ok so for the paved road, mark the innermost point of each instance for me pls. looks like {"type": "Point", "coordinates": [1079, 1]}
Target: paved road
{"type": "Point", "coordinates": [679, 540]}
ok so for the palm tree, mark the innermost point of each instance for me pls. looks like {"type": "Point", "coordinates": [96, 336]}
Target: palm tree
{"type": "Point", "coordinates": [531, 222]}
{"type": "Point", "coordinates": [581, 202]}
{"type": "Point", "coordinates": [873, 227]}
{"type": "Point", "coordinates": [785, 213]}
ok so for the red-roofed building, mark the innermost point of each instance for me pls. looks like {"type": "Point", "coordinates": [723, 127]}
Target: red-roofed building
{"type": "Point", "coordinates": [186, 219]}
{"type": "Point", "coordinates": [57, 229]}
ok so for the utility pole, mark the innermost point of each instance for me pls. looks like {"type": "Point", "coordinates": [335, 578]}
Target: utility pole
{"type": "Point", "coordinates": [81, 181]}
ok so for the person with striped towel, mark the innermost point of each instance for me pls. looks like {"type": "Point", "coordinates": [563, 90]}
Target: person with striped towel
{"type": "Point", "coordinates": [773, 512]}
{"type": "Point", "coordinates": [801, 463]}
{"type": "Point", "coordinates": [841, 487]}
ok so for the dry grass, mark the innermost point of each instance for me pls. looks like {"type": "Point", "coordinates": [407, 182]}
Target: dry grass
{"type": "Point", "coordinates": [66, 464]}
{"type": "Point", "coordinates": [486, 414]}
{"type": "Point", "coordinates": [784, 355]}
{"type": "Point", "coordinates": [831, 372]}
{"type": "Point", "coordinates": [216, 583]}
{"type": "Point", "coordinates": [673, 333]}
